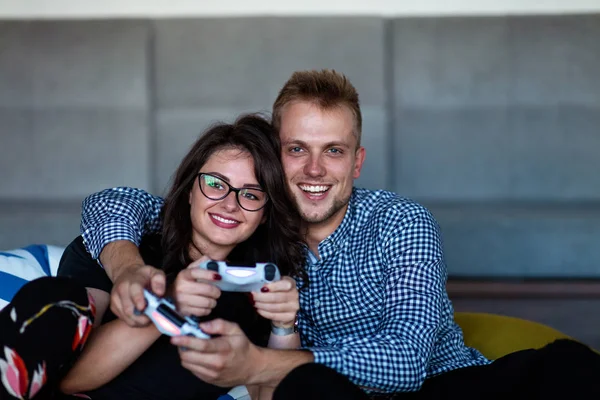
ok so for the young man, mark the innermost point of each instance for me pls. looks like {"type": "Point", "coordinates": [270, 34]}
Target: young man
{"type": "Point", "coordinates": [375, 315]}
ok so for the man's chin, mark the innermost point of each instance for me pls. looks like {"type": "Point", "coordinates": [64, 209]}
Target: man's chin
{"type": "Point", "coordinates": [313, 216]}
{"type": "Point", "coordinates": [313, 220]}
{"type": "Point", "coordinates": [322, 213]}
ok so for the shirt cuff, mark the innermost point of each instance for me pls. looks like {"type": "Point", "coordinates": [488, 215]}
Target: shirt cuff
{"type": "Point", "coordinates": [331, 358]}
{"type": "Point", "coordinates": [95, 239]}
{"type": "Point", "coordinates": [334, 359]}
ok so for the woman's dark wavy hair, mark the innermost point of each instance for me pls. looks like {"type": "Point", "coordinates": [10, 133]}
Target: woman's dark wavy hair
{"type": "Point", "coordinates": [278, 240]}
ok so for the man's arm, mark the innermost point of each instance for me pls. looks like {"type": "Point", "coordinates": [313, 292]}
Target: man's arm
{"type": "Point", "coordinates": [112, 225]}
{"type": "Point", "coordinates": [275, 364]}
{"type": "Point", "coordinates": [117, 256]}
{"type": "Point", "coordinates": [120, 213]}
{"type": "Point", "coordinates": [395, 358]}
{"type": "Point", "coordinates": [126, 268]}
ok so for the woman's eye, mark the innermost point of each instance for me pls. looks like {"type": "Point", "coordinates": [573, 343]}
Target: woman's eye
{"type": "Point", "coordinates": [216, 185]}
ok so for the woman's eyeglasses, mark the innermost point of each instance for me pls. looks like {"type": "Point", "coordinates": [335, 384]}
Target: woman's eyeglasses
{"type": "Point", "coordinates": [215, 188]}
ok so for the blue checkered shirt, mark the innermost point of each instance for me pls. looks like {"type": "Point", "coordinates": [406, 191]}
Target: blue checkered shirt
{"type": "Point", "coordinates": [376, 308]}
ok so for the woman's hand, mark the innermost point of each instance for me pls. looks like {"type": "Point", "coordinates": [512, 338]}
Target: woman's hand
{"type": "Point", "coordinates": [278, 301]}
{"type": "Point", "coordinates": [193, 297]}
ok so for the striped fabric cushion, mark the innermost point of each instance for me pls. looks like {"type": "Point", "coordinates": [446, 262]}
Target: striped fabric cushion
{"type": "Point", "coordinates": [19, 266]}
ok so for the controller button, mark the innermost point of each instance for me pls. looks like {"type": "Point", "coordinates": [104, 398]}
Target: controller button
{"type": "Point", "coordinates": [212, 266]}
{"type": "Point", "coordinates": [270, 272]}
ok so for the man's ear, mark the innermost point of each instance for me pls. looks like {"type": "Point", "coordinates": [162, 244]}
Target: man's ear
{"type": "Point", "coordinates": [359, 159]}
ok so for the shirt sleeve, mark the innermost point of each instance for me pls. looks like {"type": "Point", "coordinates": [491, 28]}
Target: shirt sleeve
{"type": "Point", "coordinates": [120, 213]}
{"type": "Point", "coordinates": [395, 358]}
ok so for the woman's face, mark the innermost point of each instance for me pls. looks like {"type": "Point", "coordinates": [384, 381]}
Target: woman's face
{"type": "Point", "coordinates": [219, 225]}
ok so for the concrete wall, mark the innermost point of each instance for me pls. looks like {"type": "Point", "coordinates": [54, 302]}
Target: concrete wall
{"type": "Point", "coordinates": [492, 122]}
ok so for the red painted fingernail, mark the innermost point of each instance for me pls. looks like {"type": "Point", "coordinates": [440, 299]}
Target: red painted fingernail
{"type": "Point", "coordinates": [217, 277]}
{"type": "Point", "coordinates": [264, 289]}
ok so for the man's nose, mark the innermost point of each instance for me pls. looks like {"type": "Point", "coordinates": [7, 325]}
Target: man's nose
{"type": "Point", "coordinates": [314, 167]}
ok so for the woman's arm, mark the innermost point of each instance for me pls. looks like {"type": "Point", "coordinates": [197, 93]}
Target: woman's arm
{"type": "Point", "coordinates": [287, 342]}
{"type": "Point", "coordinates": [279, 304]}
{"type": "Point", "coordinates": [114, 346]}
{"type": "Point", "coordinates": [111, 348]}
{"type": "Point", "coordinates": [109, 351]}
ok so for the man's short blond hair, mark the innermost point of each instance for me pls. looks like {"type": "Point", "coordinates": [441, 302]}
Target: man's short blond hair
{"type": "Point", "coordinates": [326, 88]}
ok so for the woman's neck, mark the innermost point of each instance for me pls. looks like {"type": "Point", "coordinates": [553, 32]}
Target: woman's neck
{"type": "Point", "coordinates": [217, 253]}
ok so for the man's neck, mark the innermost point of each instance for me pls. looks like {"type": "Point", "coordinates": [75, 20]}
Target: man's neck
{"type": "Point", "coordinates": [316, 232]}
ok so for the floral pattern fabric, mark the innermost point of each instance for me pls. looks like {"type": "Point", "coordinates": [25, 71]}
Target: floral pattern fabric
{"type": "Point", "coordinates": [42, 332]}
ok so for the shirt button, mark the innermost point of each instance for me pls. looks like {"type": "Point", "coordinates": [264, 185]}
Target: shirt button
{"type": "Point", "coordinates": [317, 303]}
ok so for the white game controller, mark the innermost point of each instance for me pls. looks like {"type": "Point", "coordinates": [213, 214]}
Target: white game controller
{"type": "Point", "coordinates": [168, 320]}
{"type": "Point", "coordinates": [242, 278]}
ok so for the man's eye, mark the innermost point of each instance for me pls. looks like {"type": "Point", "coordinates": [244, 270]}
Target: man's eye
{"type": "Point", "coordinates": [295, 149]}
{"type": "Point", "coordinates": [335, 151]}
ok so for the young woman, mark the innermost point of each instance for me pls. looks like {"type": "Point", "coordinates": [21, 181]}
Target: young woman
{"type": "Point", "coordinates": [229, 202]}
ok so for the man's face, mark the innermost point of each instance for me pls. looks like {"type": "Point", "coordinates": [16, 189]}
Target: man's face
{"type": "Point", "coordinates": [321, 160]}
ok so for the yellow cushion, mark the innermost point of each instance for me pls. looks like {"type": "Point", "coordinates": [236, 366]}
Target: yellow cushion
{"type": "Point", "coordinates": [497, 335]}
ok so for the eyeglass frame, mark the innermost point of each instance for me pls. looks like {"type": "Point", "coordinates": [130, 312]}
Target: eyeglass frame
{"type": "Point", "coordinates": [231, 189]}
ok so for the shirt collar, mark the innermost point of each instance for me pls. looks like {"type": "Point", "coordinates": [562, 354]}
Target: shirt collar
{"type": "Point", "coordinates": [343, 232]}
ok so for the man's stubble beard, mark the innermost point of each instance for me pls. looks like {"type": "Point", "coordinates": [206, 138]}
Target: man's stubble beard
{"type": "Point", "coordinates": [337, 205]}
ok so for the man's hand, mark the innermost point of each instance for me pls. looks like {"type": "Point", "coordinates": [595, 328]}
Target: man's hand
{"type": "Point", "coordinates": [128, 292]}
{"type": "Point", "coordinates": [126, 269]}
{"type": "Point", "coordinates": [278, 301]}
{"type": "Point", "coordinates": [228, 360]}
{"type": "Point", "coordinates": [193, 297]}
